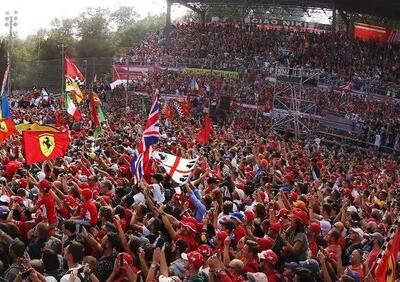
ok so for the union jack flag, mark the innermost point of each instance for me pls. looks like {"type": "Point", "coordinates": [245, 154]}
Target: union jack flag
{"type": "Point", "coordinates": [151, 136]}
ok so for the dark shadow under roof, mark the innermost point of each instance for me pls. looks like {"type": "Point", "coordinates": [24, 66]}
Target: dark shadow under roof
{"type": "Point", "coordinates": [380, 8]}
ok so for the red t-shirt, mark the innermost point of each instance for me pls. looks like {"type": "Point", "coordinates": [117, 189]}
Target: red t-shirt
{"type": "Point", "coordinates": [271, 276]}
{"type": "Point", "coordinates": [47, 206]}
{"type": "Point", "coordinates": [190, 241]}
{"type": "Point", "coordinates": [251, 266]}
{"type": "Point", "coordinates": [313, 246]}
{"type": "Point", "coordinates": [89, 211]}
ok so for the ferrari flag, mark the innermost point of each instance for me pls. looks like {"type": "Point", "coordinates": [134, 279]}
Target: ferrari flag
{"type": "Point", "coordinates": [44, 145]}
{"type": "Point", "coordinates": [7, 129]}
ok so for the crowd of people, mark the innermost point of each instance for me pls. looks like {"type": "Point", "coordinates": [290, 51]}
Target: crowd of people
{"type": "Point", "coordinates": [371, 117]}
{"type": "Point", "coordinates": [257, 207]}
{"type": "Point", "coordinates": [370, 66]}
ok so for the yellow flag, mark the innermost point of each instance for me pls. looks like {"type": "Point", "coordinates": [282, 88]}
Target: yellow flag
{"type": "Point", "coordinates": [35, 127]}
{"type": "Point", "coordinates": [72, 87]}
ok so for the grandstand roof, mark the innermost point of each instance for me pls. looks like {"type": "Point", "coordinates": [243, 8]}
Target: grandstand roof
{"type": "Point", "coordinates": [381, 8]}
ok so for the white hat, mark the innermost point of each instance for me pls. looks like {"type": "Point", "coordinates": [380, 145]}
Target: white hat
{"type": "Point", "coordinates": [5, 199]}
{"type": "Point", "coordinates": [40, 175]}
{"type": "Point", "coordinates": [257, 277]}
{"type": "Point", "coordinates": [325, 227]}
{"type": "Point", "coordinates": [163, 278]}
{"type": "Point", "coordinates": [351, 209]}
{"type": "Point", "coordinates": [358, 231]}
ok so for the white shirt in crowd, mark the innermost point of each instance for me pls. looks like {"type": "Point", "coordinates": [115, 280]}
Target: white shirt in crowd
{"type": "Point", "coordinates": [158, 195]}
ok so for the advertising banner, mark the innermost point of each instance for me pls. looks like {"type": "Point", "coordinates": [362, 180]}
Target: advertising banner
{"type": "Point", "coordinates": [195, 71]}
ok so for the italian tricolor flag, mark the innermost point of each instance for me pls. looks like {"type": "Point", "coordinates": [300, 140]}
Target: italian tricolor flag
{"type": "Point", "coordinates": [72, 109]}
{"type": "Point", "coordinates": [97, 114]}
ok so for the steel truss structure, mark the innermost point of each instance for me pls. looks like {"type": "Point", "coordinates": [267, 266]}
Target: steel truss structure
{"type": "Point", "coordinates": [291, 111]}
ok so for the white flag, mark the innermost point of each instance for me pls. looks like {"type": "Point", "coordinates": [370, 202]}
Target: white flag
{"type": "Point", "coordinates": [178, 168]}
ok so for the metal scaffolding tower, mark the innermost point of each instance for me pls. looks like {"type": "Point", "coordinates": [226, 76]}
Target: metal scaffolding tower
{"type": "Point", "coordinates": [291, 111]}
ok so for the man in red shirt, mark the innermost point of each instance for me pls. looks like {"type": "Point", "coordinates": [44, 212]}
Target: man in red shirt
{"type": "Point", "coordinates": [88, 211]}
{"type": "Point", "coordinates": [268, 260]}
{"type": "Point", "coordinates": [46, 204]}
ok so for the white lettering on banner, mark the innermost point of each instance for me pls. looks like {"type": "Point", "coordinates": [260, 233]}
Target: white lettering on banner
{"type": "Point", "coordinates": [285, 23]}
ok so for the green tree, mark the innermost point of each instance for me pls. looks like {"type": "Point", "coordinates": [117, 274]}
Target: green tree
{"type": "Point", "coordinates": [123, 17]}
{"type": "Point", "coordinates": [3, 55]}
{"type": "Point", "coordinates": [138, 31]}
{"type": "Point", "coordinates": [93, 34]}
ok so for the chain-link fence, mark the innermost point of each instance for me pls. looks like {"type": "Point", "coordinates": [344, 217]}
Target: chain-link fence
{"type": "Point", "coordinates": [49, 73]}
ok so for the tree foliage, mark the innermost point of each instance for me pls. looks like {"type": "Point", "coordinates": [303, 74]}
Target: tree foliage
{"type": "Point", "coordinates": [95, 33]}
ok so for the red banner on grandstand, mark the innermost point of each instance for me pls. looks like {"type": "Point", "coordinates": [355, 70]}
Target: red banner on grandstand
{"type": "Point", "coordinates": [129, 72]}
{"type": "Point", "coordinates": [368, 32]}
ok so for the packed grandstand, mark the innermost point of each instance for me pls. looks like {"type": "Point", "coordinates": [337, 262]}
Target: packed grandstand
{"type": "Point", "coordinates": [179, 173]}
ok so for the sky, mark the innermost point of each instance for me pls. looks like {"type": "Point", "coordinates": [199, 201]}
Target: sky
{"type": "Point", "coordinates": [36, 14]}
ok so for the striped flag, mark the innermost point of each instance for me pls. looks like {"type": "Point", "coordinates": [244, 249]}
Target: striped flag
{"type": "Point", "coordinates": [182, 108]}
{"type": "Point", "coordinates": [151, 136]}
{"type": "Point", "coordinates": [5, 106]}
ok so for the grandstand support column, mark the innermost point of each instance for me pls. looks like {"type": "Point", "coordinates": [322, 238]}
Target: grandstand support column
{"type": "Point", "coordinates": [333, 17]}
{"type": "Point", "coordinates": [203, 17]}
{"type": "Point", "coordinates": [167, 31]}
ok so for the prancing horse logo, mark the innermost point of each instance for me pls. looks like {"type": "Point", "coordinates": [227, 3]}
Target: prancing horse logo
{"type": "Point", "coordinates": [47, 144]}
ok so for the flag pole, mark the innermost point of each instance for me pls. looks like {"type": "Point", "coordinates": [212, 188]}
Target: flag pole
{"type": "Point", "coordinates": [127, 84]}
{"type": "Point", "coordinates": [62, 68]}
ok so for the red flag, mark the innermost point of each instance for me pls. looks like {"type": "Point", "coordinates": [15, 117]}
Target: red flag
{"type": "Point", "coordinates": [44, 145]}
{"type": "Point", "coordinates": [183, 108]}
{"type": "Point", "coordinates": [386, 268]}
{"type": "Point", "coordinates": [72, 71]}
{"type": "Point", "coordinates": [204, 134]}
{"type": "Point", "coordinates": [186, 107]}
{"type": "Point", "coordinates": [167, 112]}
{"type": "Point", "coordinates": [94, 102]}
{"type": "Point", "coordinates": [7, 129]}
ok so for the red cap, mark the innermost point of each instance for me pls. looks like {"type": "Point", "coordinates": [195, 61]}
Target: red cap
{"type": "Point", "coordinates": [315, 227]}
{"type": "Point", "coordinates": [221, 235]}
{"type": "Point", "coordinates": [23, 183]}
{"type": "Point", "coordinates": [250, 215]}
{"type": "Point", "coordinates": [240, 186]}
{"type": "Point", "coordinates": [269, 256]}
{"type": "Point", "coordinates": [265, 243]}
{"type": "Point", "coordinates": [275, 227]}
{"type": "Point", "coordinates": [17, 199]}
{"type": "Point", "coordinates": [127, 257]}
{"type": "Point", "coordinates": [299, 215]}
{"type": "Point", "coordinates": [293, 196]}
{"type": "Point", "coordinates": [86, 194]}
{"type": "Point", "coordinates": [194, 258]}
{"type": "Point", "coordinates": [205, 250]}
{"type": "Point", "coordinates": [283, 212]}
{"type": "Point", "coordinates": [44, 185]}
